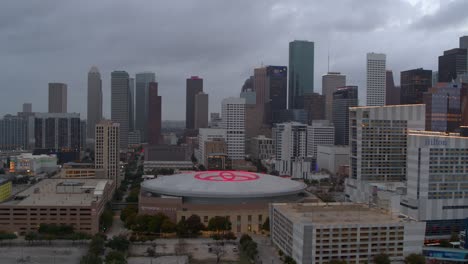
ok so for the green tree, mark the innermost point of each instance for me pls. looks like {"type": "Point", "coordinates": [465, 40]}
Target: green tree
{"type": "Point", "coordinates": [168, 226]}
{"type": "Point", "coordinates": [128, 211]}
{"type": "Point", "coordinates": [244, 238]}
{"type": "Point", "coordinates": [106, 219]}
{"type": "Point", "coordinates": [181, 228]}
{"type": "Point", "coordinates": [250, 249]}
{"type": "Point", "coordinates": [289, 260]}
{"type": "Point", "coordinates": [133, 195]}
{"type": "Point", "coordinates": [219, 223]}
{"type": "Point", "coordinates": [266, 224]}
{"type": "Point", "coordinates": [194, 225]}
{"type": "Point", "coordinates": [115, 257]}
{"type": "Point", "coordinates": [415, 259]}
{"type": "Point", "coordinates": [90, 259]}
{"type": "Point", "coordinates": [118, 243]}
{"type": "Point", "coordinates": [31, 237]}
{"type": "Point", "coordinates": [7, 236]}
{"type": "Point", "coordinates": [381, 259]}
{"type": "Point", "coordinates": [96, 246]}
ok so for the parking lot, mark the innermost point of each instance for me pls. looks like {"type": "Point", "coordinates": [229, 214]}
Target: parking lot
{"type": "Point", "coordinates": [42, 255]}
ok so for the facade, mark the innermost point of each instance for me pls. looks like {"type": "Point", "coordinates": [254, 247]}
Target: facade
{"type": "Point", "coordinates": [57, 98]}
{"type": "Point", "coordinates": [452, 64]}
{"type": "Point", "coordinates": [94, 101]}
{"type": "Point", "coordinates": [290, 141]}
{"type": "Point", "coordinates": [233, 115]}
{"type": "Point", "coordinates": [250, 96]}
{"type": "Point", "coordinates": [443, 107]}
{"type": "Point", "coordinates": [201, 110]}
{"type": "Point", "coordinates": [343, 99]}
{"type": "Point", "coordinates": [392, 92]}
{"type": "Point", "coordinates": [57, 131]}
{"type": "Point", "coordinates": [28, 163]}
{"type": "Point", "coordinates": [330, 83]}
{"type": "Point", "coordinates": [215, 154]}
{"type": "Point", "coordinates": [120, 92]}
{"type": "Point", "coordinates": [355, 233]}
{"type": "Point", "coordinates": [134, 138]}
{"type": "Point", "coordinates": [207, 135]}
{"type": "Point", "coordinates": [14, 133]}
{"type": "Point", "coordinates": [315, 105]}
{"type": "Point", "coordinates": [262, 148]}
{"type": "Point", "coordinates": [331, 158]}
{"type": "Point", "coordinates": [73, 170]}
{"type": "Point", "coordinates": [215, 120]}
{"type": "Point", "coordinates": [154, 114]}
{"type": "Point", "coordinates": [107, 149]}
{"type": "Point", "coordinates": [376, 77]}
{"type": "Point", "coordinates": [319, 133]}
{"type": "Point", "coordinates": [270, 85]}
{"type": "Point", "coordinates": [241, 196]}
{"type": "Point", "coordinates": [83, 134]}
{"type": "Point", "coordinates": [301, 72]}
{"type": "Point", "coordinates": [142, 81]}
{"type": "Point", "coordinates": [291, 115]}
{"type": "Point", "coordinates": [166, 153]}
{"type": "Point", "coordinates": [149, 166]}
{"type": "Point", "coordinates": [414, 83]}
{"type": "Point", "coordinates": [27, 108]}
{"type": "Point", "coordinates": [194, 87]}
{"type": "Point", "coordinates": [5, 189]}
{"type": "Point", "coordinates": [131, 104]}
{"type": "Point", "coordinates": [78, 203]}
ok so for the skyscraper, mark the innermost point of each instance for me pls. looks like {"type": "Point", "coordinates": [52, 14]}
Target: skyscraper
{"type": "Point", "coordinates": [319, 133]}
{"type": "Point", "coordinates": [107, 149]}
{"type": "Point", "coordinates": [414, 83]}
{"type": "Point", "coordinates": [201, 110]}
{"type": "Point", "coordinates": [94, 101]}
{"type": "Point", "coordinates": [301, 72]}
{"type": "Point", "coordinates": [443, 107]}
{"type": "Point", "coordinates": [290, 141]}
{"type": "Point", "coordinates": [376, 79]}
{"type": "Point", "coordinates": [314, 105]}
{"type": "Point", "coordinates": [27, 108]}
{"type": "Point", "coordinates": [57, 131]}
{"type": "Point", "coordinates": [13, 133]}
{"type": "Point", "coordinates": [392, 92]}
{"type": "Point", "coordinates": [154, 114]}
{"type": "Point", "coordinates": [131, 104]}
{"type": "Point", "coordinates": [119, 104]}
{"type": "Point", "coordinates": [194, 86]}
{"type": "Point", "coordinates": [343, 98]}
{"type": "Point", "coordinates": [463, 42]}
{"type": "Point", "coordinates": [233, 120]}
{"type": "Point", "coordinates": [270, 85]}
{"type": "Point", "coordinates": [330, 82]}
{"type": "Point", "coordinates": [57, 98]}
{"type": "Point", "coordinates": [452, 64]}
{"type": "Point", "coordinates": [142, 81]}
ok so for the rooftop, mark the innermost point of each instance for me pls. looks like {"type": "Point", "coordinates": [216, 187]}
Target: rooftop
{"type": "Point", "coordinates": [336, 213]}
{"type": "Point", "coordinates": [61, 192]}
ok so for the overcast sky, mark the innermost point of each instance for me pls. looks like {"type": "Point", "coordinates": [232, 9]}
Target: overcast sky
{"type": "Point", "coordinates": [221, 41]}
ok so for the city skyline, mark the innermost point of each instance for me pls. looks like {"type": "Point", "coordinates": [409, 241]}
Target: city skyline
{"type": "Point", "coordinates": [223, 63]}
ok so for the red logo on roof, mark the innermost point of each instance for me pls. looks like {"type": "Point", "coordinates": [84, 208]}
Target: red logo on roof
{"type": "Point", "coordinates": [226, 176]}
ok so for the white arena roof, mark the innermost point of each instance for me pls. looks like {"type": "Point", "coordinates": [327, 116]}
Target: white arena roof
{"type": "Point", "coordinates": [223, 184]}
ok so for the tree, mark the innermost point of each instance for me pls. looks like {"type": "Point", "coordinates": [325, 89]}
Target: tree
{"type": "Point", "coordinates": [289, 260]}
{"type": "Point", "coordinates": [31, 237]}
{"type": "Point", "coordinates": [381, 258]}
{"type": "Point", "coordinates": [194, 225]}
{"type": "Point", "coordinates": [128, 211]}
{"type": "Point", "coordinates": [244, 238]}
{"type": "Point", "coordinates": [106, 219]}
{"type": "Point", "coordinates": [96, 246]}
{"type": "Point", "coordinates": [219, 223]}
{"type": "Point", "coordinates": [250, 248]}
{"type": "Point", "coordinates": [90, 259]}
{"type": "Point", "coordinates": [119, 243]}
{"type": "Point", "coordinates": [115, 257]}
{"type": "Point", "coordinates": [415, 259]}
{"type": "Point", "coordinates": [202, 167]}
{"type": "Point", "coordinates": [168, 226]}
{"type": "Point", "coordinates": [266, 224]}
{"type": "Point", "coordinates": [133, 195]}
{"type": "Point", "coordinates": [218, 250]}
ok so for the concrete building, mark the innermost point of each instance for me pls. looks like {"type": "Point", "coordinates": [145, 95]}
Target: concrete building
{"type": "Point", "coordinates": [443, 107]}
{"type": "Point", "coordinates": [154, 114]}
{"type": "Point", "coordinates": [301, 72]}
{"type": "Point", "coordinates": [290, 141]}
{"type": "Point", "coordinates": [215, 154]}
{"type": "Point", "coordinates": [76, 202]}
{"type": "Point", "coordinates": [201, 110]}
{"type": "Point", "coordinates": [215, 120]}
{"type": "Point", "coordinates": [330, 83]}
{"type": "Point", "coordinates": [319, 133]}
{"type": "Point", "coordinates": [83, 134]}
{"type": "Point", "coordinates": [194, 87]}
{"type": "Point", "coordinates": [343, 99]}
{"type": "Point", "coordinates": [376, 75]}
{"type": "Point", "coordinates": [355, 233]}
{"type": "Point", "coordinates": [57, 131]}
{"type": "Point", "coordinates": [14, 133]}
{"type": "Point", "coordinates": [107, 150]}
{"type": "Point", "coordinates": [27, 108]}
{"type": "Point", "coordinates": [74, 170]}
{"type": "Point", "coordinates": [30, 164]}
{"type": "Point", "coordinates": [5, 189]}
{"type": "Point", "coordinates": [119, 104]}
{"type": "Point", "coordinates": [233, 115]}
{"type": "Point", "coordinates": [314, 105]}
{"type": "Point", "coordinates": [142, 81]}
{"type": "Point", "coordinates": [131, 104]}
{"type": "Point", "coordinates": [94, 101]}
{"type": "Point", "coordinates": [414, 83]}
{"type": "Point", "coordinates": [167, 153]}
{"type": "Point", "coordinates": [134, 138]}
{"type": "Point", "coordinates": [57, 98]}
{"type": "Point", "coordinates": [452, 64]}
{"type": "Point", "coordinates": [207, 135]}
{"type": "Point", "coordinates": [331, 158]}
{"type": "Point", "coordinates": [250, 96]}
{"type": "Point", "coordinates": [149, 166]}
{"type": "Point", "coordinates": [262, 148]}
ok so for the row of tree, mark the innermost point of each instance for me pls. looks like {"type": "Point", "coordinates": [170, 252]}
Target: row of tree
{"type": "Point", "coordinates": [97, 247]}
{"type": "Point", "coordinates": [248, 247]}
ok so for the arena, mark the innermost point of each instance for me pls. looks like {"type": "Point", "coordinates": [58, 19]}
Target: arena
{"type": "Point", "coordinates": [241, 196]}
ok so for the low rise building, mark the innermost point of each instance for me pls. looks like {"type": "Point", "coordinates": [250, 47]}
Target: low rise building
{"type": "Point", "coordinates": [262, 148]}
{"type": "Point", "coordinates": [81, 171]}
{"type": "Point", "coordinates": [5, 189]}
{"type": "Point", "coordinates": [331, 158]}
{"type": "Point", "coordinates": [148, 166]}
{"type": "Point", "coordinates": [319, 232]}
{"type": "Point", "coordinates": [27, 163]}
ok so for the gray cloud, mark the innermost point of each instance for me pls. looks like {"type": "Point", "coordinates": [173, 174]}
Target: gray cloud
{"type": "Point", "coordinates": [452, 14]}
{"type": "Point", "coordinates": [222, 41]}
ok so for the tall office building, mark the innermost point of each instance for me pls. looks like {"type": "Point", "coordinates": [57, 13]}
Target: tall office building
{"type": "Point", "coordinates": [376, 75]}
{"type": "Point", "coordinates": [142, 81]}
{"type": "Point", "coordinates": [83, 134]}
{"type": "Point", "coordinates": [452, 64]}
{"type": "Point", "coordinates": [343, 98]}
{"type": "Point", "coordinates": [392, 92]}
{"type": "Point", "coordinates": [270, 84]}
{"type": "Point", "coordinates": [463, 42]}
{"type": "Point", "coordinates": [27, 108]}
{"type": "Point", "coordinates": [154, 114]}
{"type": "Point", "coordinates": [443, 107]}
{"type": "Point", "coordinates": [194, 85]}
{"type": "Point", "coordinates": [301, 72]}
{"type": "Point", "coordinates": [248, 91]}
{"type": "Point", "coordinates": [57, 98]}
{"type": "Point", "coordinates": [13, 133]}
{"type": "Point", "coordinates": [94, 101]}
{"type": "Point", "coordinates": [319, 133]}
{"type": "Point", "coordinates": [201, 110]}
{"type": "Point", "coordinates": [330, 82]}
{"type": "Point", "coordinates": [119, 104]}
{"type": "Point", "coordinates": [314, 105]}
{"type": "Point", "coordinates": [107, 149]}
{"type": "Point", "coordinates": [57, 131]}
{"type": "Point", "coordinates": [131, 104]}
{"type": "Point", "coordinates": [233, 120]}
{"type": "Point", "coordinates": [414, 83]}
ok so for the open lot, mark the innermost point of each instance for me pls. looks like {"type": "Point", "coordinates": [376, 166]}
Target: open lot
{"type": "Point", "coordinates": [42, 255]}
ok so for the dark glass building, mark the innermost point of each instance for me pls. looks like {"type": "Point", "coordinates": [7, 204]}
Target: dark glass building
{"type": "Point", "coordinates": [314, 105]}
{"type": "Point", "coordinates": [414, 83]}
{"type": "Point", "coordinates": [57, 131]}
{"type": "Point", "coordinates": [194, 86]}
{"type": "Point", "coordinates": [154, 114]}
{"type": "Point", "coordinates": [452, 64]}
{"type": "Point", "coordinates": [344, 98]}
{"type": "Point", "coordinates": [270, 85]}
{"type": "Point", "coordinates": [301, 72]}
{"type": "Point", "coordinates": [443, 107]}
{"type": "Point", "coordinates": [392, 92]}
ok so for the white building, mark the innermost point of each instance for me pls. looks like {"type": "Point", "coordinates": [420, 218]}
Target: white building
{"type": "Point", "coordinates": [107, 149]}
{"type": "Point", "coordinates": [233, 120]}
{"type": "Point", "coordinates": [330, 82]}
{"type": "Point", "coordinates": [205, 135]}
{"type": "Point", "coordinates": [262, 147]}
{"type": "Point", "coordinates": [33, 164]}
{"type": "Point", "coordinates": [320, 132]}
{"type": "Point", "coordinates": [290, 141]}
{"type": "Point", "coordinates": [376, 74]}
{"type": "Point", "coordinates": [355, 233]}
{"type": "Point", "coordinates": [331, 158]}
